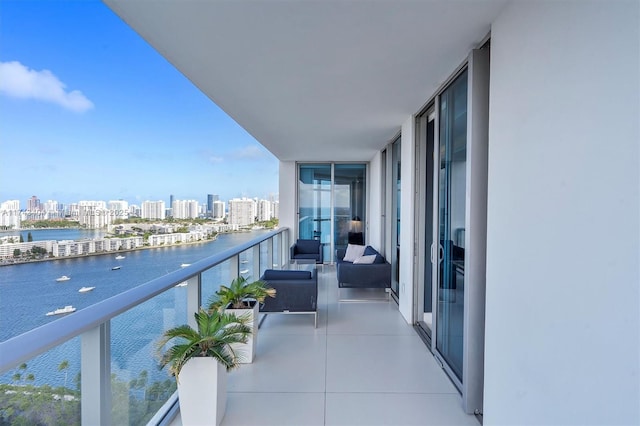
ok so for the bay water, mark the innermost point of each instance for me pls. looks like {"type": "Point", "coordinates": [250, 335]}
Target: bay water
{"type": "Point", "coordinates": [28, 291]}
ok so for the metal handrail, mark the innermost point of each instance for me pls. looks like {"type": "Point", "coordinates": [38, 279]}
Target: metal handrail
{"type": "Point", "coordinates": [25, 346]}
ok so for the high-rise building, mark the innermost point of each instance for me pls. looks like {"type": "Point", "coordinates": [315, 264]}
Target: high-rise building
{"type": "Point", "coordinates": [185, 209]}
{"type": "Point", "coordinates": [209, 204]}
{"type": "Point", "coordinates": [52, 209]}
{"type": "Point", "coordinates": [33, 203]}
{"type": "Point", "coordinates": [93, 214]}
{"type": "Point", "coordinates": [264, 210]}
{"type": "Point", "coordinates": [218, 209]}
{"type": "Point", "coordinates": [119, 209]}
{"type": "Point", "coordinates": [242, 211]}
{"type": "Point", "coordinates": [10, 214]}
{"type": "Point", "coordinates": [153, 209]}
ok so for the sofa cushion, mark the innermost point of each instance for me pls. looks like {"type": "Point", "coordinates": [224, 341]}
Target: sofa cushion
{"type": "Point", "coordinates": [368, 251]}
{"type": "Point", "coordinates": [308, 246]}
{"type": "Point", "coordinates": [275, 274]}
{"type": "Point", "coordinates": [365, 259]}
{"type": "Point", "coordinates": [353, 252]}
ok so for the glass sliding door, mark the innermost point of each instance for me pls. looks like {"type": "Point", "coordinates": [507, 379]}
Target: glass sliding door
{"type": "Point", "coordinates": [332, 205]}
{"type": "Point", "coordinates": [452, 151]}
{"type": "Point", "coordinates": [426, 135]}
{"type": "Point", "coordinates": [349, 212]}
{"type": "Point", "coordinates": [396, 203]}
{"type": "Point", "coordinates": [314, 204]}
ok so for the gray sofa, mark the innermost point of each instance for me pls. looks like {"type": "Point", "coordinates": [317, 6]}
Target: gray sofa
{"type": "Point", "coordinates": [353, 275]}
{"type": "Point", "coordinates": [296, 292]}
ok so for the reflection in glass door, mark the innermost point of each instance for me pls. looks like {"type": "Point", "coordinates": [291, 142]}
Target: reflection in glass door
{"type": "Point", "coordinates": [314, 204]}
{"type": "Point", "coordinates": [349, 212]}
{"type": "Point", "coordinates": [452, 149]}
{"type": "Point", "coordinates": [395, 255]}
{"type": "Point", "coordinates": [332, 202]}
{"type": "Point", "coordinates": [426, 126]}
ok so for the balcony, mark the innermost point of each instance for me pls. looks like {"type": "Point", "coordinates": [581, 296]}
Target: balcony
{"type": "Point", "coordinates": [363, 364]}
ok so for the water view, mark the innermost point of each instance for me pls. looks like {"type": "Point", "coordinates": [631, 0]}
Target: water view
{"type": "Point", "coordinates": [28, 291]}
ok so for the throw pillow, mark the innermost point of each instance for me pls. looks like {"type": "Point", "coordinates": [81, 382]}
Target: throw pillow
{"type": "Point", "coordinates": [365, 259]}
{"type": "Point", "coordinates": [353, 252]}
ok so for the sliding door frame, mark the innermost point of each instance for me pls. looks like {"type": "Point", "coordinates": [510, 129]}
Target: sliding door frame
{"type": "Point", "coordinates": [472, 383]}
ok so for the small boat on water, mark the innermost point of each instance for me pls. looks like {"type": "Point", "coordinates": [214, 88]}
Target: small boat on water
{"type": "Point", "coordinates": [66, 310]}
{"type": "Point", "coordinates": [85, 289]}
{"type": "Point", "coordinates": [244, 271]}
{"type": "Point", "coordinates": [184, 265]}
{"type": "Point", "coordinates": [115, 268]}
{"type": "Point", "coordinates": [63, 278]}
{"type": "Point", "coordinates": [182, 284]}
{"type": "Point", "coordinates": [119, 257]}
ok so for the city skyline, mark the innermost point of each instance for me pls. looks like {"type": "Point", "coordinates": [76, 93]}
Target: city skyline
{"type": "Point", "coordinates": [91, 112]}
{"type": "Point", "coordinates": [24, 202]}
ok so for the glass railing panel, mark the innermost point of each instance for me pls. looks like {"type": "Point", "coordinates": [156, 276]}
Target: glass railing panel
{"type": "Point", "coordinates": [264, 257]}
{"type": "Point", "coordinates": [43, 390]}
{"type": "Point", "coordinates": [246, 264]}
{"type": "Point", "coordinates": [212, 278]}
{"type": "Point", "coordinates": [138, 387]}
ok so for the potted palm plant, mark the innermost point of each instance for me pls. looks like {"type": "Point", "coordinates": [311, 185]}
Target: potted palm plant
{"type": "Point", "coordinates": [242, 298]}
{"type": "Point", "coordinates": [200, 359]}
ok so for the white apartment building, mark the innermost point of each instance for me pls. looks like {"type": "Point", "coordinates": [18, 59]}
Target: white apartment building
{"type": "Point", "coordinates": [180, 237]}
{"type": "Point", "coordinates": [225, 227]}
{"type": "Point", "coordinates": [185, 209]}
{"type": "Point", "coordinates": [76, 248]}
{"type": "Point", "coordinates": [265, 210]}
{"type": "Point", "coordinates": [218, 209]}
{"type": "Point", "coordinates": [242, 211]}
{"type": "Point", "coordinates": [94, 214]}
{"type": "Point", "coordinates": [10, 215]}
{"type": "Point", "coordinates": [53, 209]}
{"type": "Point", "coordinates": [119, 209]}
{"type": "Point", "coordinates": [6, 250]}
{"type": "Point", "coordinates": [153, 210]}
{"type": "Point", "coordinates": [73, 210]}
{"type": "Point", "coordinates": [275, 209]}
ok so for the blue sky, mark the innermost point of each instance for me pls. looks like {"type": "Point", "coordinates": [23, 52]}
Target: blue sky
{"type": "Point", "coordinates": [89, 111]}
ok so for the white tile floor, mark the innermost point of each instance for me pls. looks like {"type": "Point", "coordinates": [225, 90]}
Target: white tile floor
{"type": "Point", "coordinates": [363, 365]}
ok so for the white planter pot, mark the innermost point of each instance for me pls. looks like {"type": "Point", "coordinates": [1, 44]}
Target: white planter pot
{"type": "Point", "coordinates": [202, 390]}
{"type": "Point", "coordinates": [246, 352]}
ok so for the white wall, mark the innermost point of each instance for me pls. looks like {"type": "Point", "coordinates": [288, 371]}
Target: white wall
{"type": "Point", "coordinates": [562, 312]}
{"type": "Point", "coordinates": [288, 190]}
{"type": "Point", "coordinates": [407, 158]}
{"type": "Point", "coordinates": [374, 198]}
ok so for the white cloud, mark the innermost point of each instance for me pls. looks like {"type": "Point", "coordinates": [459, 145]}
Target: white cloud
{"type": "Point", "coordinates": [18, 81]}
{"type": "Point", "coordinates": [250, 152]}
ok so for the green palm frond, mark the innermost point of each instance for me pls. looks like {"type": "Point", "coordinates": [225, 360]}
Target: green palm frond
{"type": "Point", "coordinates": [238, 292]}
{"type": "Point", "coordinates": [216, 332]}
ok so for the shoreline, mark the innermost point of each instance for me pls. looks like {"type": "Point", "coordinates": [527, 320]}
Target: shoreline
{"type": "Point", "coordinates": [104, 253]}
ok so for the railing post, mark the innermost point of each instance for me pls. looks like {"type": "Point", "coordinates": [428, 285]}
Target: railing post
{"type": "Point", "coordinates": [234, 267]}
{"type": "Point", "coordinates": [194, 294]}
{"type": "Point", "coordinates": [284, 247]}
{"type": "Point", "coordinates": [95, 368]}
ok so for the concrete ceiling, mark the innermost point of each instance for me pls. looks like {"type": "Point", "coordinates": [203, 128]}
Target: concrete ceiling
{"type": "Point", "coordinates": [314, 80]}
